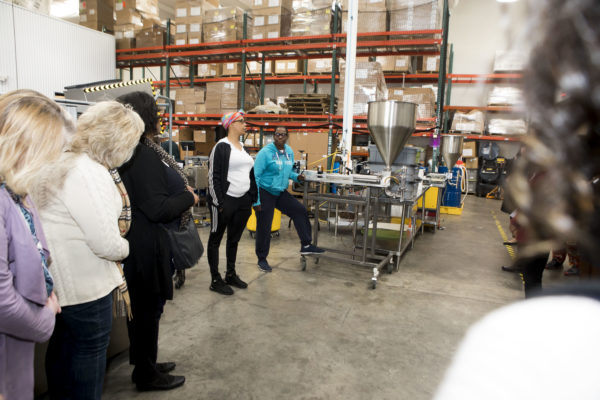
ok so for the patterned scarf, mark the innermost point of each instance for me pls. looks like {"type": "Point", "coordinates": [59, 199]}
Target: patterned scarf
{"type": "Point", "coordinates": [170, 161]}
{"type": "Point", "coordinates": [122, 303]}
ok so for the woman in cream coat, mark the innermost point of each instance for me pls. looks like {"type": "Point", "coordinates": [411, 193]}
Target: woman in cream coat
{"type": "Point", "coordinates": [80, 206]}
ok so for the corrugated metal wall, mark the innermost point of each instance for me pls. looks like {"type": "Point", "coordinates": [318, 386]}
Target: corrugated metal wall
{"type": "Point", "coordinates": [46, 54]}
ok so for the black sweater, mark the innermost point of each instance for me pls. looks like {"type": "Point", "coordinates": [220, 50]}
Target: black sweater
{"type": "Point", "coordinates": [217, 175]}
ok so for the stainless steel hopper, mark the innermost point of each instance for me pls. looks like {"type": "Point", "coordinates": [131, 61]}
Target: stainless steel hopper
{"type": "Point", "coordinates": [391, 123]}
{"type": "Point", "coordinates": [451, 149]}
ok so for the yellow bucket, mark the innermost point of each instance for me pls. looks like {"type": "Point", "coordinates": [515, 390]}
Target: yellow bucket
{"type": "Point", "coordinates": [275, 225]}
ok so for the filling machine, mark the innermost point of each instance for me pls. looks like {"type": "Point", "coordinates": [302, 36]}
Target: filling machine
{"type": "Point", "coordinates": [371, 197]}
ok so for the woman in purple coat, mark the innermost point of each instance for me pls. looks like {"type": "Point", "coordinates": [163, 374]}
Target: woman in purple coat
{"type": "Point", "coordinates": [33, 130]}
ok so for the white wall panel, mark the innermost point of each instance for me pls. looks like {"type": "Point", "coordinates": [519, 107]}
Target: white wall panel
{"type": "Point", "coordinates": [8, 67]}
{"type": "Point", "coordinates": [52, 53]}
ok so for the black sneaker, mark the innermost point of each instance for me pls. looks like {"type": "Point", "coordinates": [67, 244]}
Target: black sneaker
{"type": "Point", "coordinates": [264, 266]}
{"type": "Point", "coordinates": [234, 280]}
{"type": "Point", "coordinates": [217, 285]}
{"type": "Point", "coordinates": [553, 264]}
{"type": "Point", "coordinates": [311, 249]}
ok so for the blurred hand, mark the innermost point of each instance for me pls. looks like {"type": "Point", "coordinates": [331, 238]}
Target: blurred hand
{"type": "Point", "coordinates": [52, 303]}
{"type": "Point", "coordinates": [301, 178]}
{"type": "Point", "coordinates": [257, 208]}
{"type": "Point", "coordinates": [191, 190]}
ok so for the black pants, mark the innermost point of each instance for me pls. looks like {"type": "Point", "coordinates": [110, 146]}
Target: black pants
{"type": "Point", "coordinates": [234, 217]}
{"type": "Point", "coordinates": [289, 206]}
{"type": "Point", "coordinates": [146, 308]}
{"type": "Point", "coordinates": [533, 270]}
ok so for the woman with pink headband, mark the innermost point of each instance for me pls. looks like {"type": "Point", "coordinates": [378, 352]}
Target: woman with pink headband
{"type": "Point", "coordinates": [231, 192]}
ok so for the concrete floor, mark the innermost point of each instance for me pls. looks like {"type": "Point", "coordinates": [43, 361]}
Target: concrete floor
{"type": "Point", "coordinates": [323, 333]}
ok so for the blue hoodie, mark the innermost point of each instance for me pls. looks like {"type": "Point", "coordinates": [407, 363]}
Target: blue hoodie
{"type": "Point", "coordinates": [273, 169]}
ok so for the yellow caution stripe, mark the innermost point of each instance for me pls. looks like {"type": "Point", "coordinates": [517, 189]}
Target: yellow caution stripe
{"type": "Point", "coordinates": [117, 85]}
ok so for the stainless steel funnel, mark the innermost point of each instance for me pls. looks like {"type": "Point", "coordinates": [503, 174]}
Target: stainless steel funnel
{"type": "Point", "coordinates": [451, 149]}
{"type": "Point", "coordinates": [390, 123]}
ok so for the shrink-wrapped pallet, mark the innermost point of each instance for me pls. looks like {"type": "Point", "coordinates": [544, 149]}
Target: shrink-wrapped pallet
{"type": "Point", "coordinates": [424, 98]}
{"type": "Point", "coordinates": [505, 96]}
{"type": "Point", "coordinates": [413, 15]}
{"type": "Point", "coordinates": [369, 85]}
{"type": "Point", "coordinates": [311, 22]}
{"type": "Point", "coordinates": [507, 126]}
{"type": "Point", "coordinates": [469, 122]}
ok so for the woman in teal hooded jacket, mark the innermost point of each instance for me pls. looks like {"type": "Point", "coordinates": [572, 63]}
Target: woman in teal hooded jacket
{"type": "Point", "coordinates": [273, 170]}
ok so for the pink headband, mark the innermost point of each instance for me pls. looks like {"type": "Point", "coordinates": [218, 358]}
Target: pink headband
{"type": "Point", "coordinates": [230, 118]}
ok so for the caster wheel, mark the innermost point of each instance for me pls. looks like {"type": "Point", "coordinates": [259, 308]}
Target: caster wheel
{"type": "Point", "coordinates": [390, 268]}
{"type": "Point", "coordinates": [303, 263]}
{"type": "Point", "coordinates": [373, 285]}
{"type": "Point", "coordinates": [277, 234]}
{"type": "Point", "coordinates": [252, 235]}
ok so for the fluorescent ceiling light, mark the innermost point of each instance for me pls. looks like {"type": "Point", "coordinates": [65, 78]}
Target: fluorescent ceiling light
{"type": "Point", "coordinates": [507, 1]}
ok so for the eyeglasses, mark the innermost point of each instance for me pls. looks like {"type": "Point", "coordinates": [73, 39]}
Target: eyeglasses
{"type": "Point", "coordinates": [280, 134]}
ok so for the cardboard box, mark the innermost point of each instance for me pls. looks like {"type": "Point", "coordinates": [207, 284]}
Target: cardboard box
{"type": "Point", "coordinates": [222, 97]}
{"type": "Point", "coordinates": [207, 70]}
{"type": "Point", "coordinates": [368, 21]}
{"type": "Point", "coordinates": [469, 149]}
{"type": "Point", "coordinates": [230, 69]}
{"type": "Point", "coordinates": [125, 36]}
{"type": "Point", "coordinates": [270, 23]}
{"type": "Point", "coordinates": [181, 39]}
{"type": "Point", "coordinates": [129, 16]}
{"type": "Point", "coordinates": [471, 162]}
{"type": "Point", "coordinates": [319, 66]}
{"type": "Point", "coordinates": [200, 136]}
{"type": "Point", "coordinates": [369, 86]}
{"type": "Point", "coordinates": [403, 64]}
{"type": "Point", "coordinates": [469, 122]}
{"type": "Point", "coordinates": [224, 14]}
{"type": "Point", "coordinates": [388, 63]}
{"type": "Point", "coordinates": [146, 6]}
{"type": "Point", "coordinates": [250, 140]}
{"type": "Point", "coordinates": [287, 67]}
{"type": "Point", "coordinates": [428, 64]}
{"type": "Point", "coordinates": [314, 146]}
{"type": "Point", "coordinates": [259, 4]}
{"type": "Point", "coordinates": [194, 38]}
{"type": "Point", "coordinates": [311, 22]}
{"type": "Point", "coordinates": [413, 15]}
{"type": "Point", "coordinates": [423, 97]}
{"type": "Point", "coordinates": [367, 5]}
{"type": "Point", "coordinates": [186, 134]}
{"type": "Point", "coordinates": [96, 14]}
{"type": "Point", "coordinates": [151, 37]}
{"type": "Point", "coordinates": [189, 9]}
{"type": "Point", "coordinates": [255, 67]}
{"type": "Point", "coordinates": [223, 31]}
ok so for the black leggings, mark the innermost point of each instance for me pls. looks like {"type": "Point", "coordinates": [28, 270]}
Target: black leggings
{"type": "Point", "coordinates": [235, 214]}
{"type": "Point", "coordinates": [533, 269]}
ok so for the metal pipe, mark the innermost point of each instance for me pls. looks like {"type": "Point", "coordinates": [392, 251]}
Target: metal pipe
{"type": "Point", "coordinates": [168, 63]}
{"type": "Point", "coordinates": [243, 80]}
{"type": "Point", "coordinates": [441, 85]}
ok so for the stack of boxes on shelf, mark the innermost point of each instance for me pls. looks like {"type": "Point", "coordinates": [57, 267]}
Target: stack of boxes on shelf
{"type": "Point", "coordinates": [311, 17]}
{"type": "Point", "coordinates": [423, 97]}
{"type": "Point", "coordinates": [469, 122]}
{"type": "Point", "coordinates": [188, 21]}
{"type": "Point", "coordinates": [369, 85]}
{"type": "Point", "coordinates": [194, 141]}
{"type": "Point", "coordinates": [504, 62]}
{"type": "Point", "coordinates": [138, 24]}
{"type": "Point", "coordinates": [311, 146]}
{"type": "Point", "coordinates": [372, 16]}
{"type": "Point", "coordinates": [271, 19]}
{"type": "Point", "coordinates": [190, 100]}
{"type": "Point", "coordinates": [97, 14]}
{"type": "Point", "coordinates": [224, 24]}
{"type": "Point", "coordinates": [471, 161]}
{"type": "Point", "coordinates": [224, 97]}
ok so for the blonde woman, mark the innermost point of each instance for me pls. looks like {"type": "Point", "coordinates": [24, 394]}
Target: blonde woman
{"type": "Point", "coordinates": [80, 206]}
{"type": "Point", "coordinates": [33, 132]}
